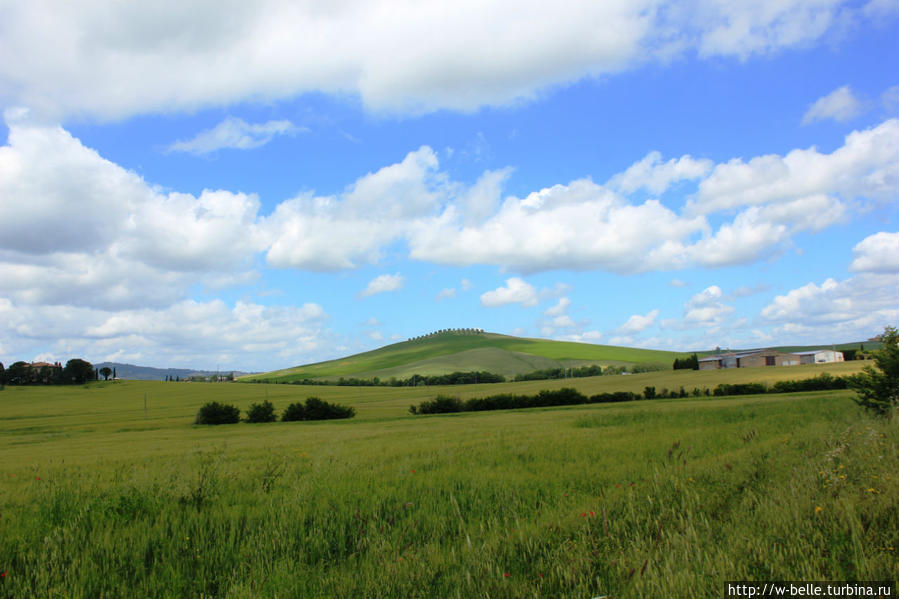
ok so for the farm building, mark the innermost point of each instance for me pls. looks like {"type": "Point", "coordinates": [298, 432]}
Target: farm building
{"type": "Point", "coordinates": [820, 356]}
{"type": "Point", "coordinates": [768, 357]}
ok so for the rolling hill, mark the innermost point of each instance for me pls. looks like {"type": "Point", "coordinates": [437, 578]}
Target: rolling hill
{"type": "Point", "coordinates": [451, 351]}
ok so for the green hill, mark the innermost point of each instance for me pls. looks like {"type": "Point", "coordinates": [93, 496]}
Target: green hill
{"type": "Point", "coordinates": [452, 351]}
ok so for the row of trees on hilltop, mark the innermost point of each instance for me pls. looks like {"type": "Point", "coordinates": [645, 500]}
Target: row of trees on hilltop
{"type": "Point", "coordinates": [75, 372]}
{"type": "Point", "coordinates": [441, 331]}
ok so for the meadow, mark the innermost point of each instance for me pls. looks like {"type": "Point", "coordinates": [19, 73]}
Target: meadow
{"type": "Point", "coordinates": [108, 490]}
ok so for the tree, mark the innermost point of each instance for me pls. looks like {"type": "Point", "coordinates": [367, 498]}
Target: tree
{"type": "Point", "coordinates": [878, 387]}
{"type": "Point", "coordinates": [106, 371]}
{"type": "Point", "coordinates": [77, 371]}
{"type": "Point", "coordinates": [17, 373]}
{"type": "Point", "coordinates": [261, 412]}
{"type": "Point", "coordinates": [217, 413]}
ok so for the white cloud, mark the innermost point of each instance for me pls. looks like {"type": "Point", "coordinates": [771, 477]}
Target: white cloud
{"type": "Point", "coordinates": [78, 229]}
{"type": "Point", "coordinates": [560, 308]}
{"type": "Point", "coordinates": [448, 293]}
{"type": "Point", "coordinates": [657, 176]}
{"type": "Point", "coordinates": [866, 166]}
{"type": "Point", "coordinates": [761, 231]}
{"type": "Point", "coordinates": [677, 283]}
{"type": "Point", "coordinates": [578, 226]}
{"type": "Point", "coordinates": [234, 133]}
{"type": "Point", "coordinates": [877, 253]}
{"type": "Point", "coordinates": [516, 291]}
{"type": "Point", "coordinates": [854, 309]}
{"type": "Point", "coordinates": [706, 309]}
{"type": "Point", "coordinates": [186, 334]}
{"type": "Point", "coordinates": [383, 284]}
{"type": "Point", "coordinates": [465, 284]}
{"type": "Point", "coordinates": [585, 337]}
{"type": "Point", "coordinates": [115, 60]}
{"type": "Point", "coordinates": [333, 233]}
{"type": "Point", "coordinates": [840, 105]}
{"type": "Point", "coordinates": [562, 321]}
{"type": "Point", "coordinates": [638, 323]}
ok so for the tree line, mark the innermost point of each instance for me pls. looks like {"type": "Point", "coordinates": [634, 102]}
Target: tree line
{"type": "Point", "coordinates": [570, 397]}
{"type": "Point", "coordinates": [75, 372]}
{"type": "Point", "coordinates": [471, 377]}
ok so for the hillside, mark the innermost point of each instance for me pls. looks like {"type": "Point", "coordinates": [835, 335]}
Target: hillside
{"type": "Point", "coordinates": [451, 351]}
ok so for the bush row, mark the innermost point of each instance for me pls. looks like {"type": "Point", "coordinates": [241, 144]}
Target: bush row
{"type": "Point", "coordinates": [507, 401]}
{"type": "Point", "coordinates": [453, 378]}
{"type": "Point", "coordinates": [570, 397]}
{"type": "Point", "coordinates": [314, 409]}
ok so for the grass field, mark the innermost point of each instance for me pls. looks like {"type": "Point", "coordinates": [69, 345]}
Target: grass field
{"type": "Point", "coordinates": [102, 497]}
{"type": "Point", "coordinates": [449, 352]}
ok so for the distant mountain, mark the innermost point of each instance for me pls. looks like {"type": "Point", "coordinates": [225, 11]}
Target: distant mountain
{"type": "Point", "coordinates": [147, 373]}
{"type": "Point", "coordinates": [465, 350]}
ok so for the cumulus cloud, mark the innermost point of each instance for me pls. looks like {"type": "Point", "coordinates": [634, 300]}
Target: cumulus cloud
{"type": "Point", "coordinates": [78, 229]}
{"type": "Point", "coordinates": [656, 176]}
{"type": "Point", "coordinates": [581, 225]}
{"type": "Point", "coordinates": [234, 133]}
{"type": "Point", "coordinates": [560, 308]}
{"type": "Point", "coordinates": [339, 232]}
{"type": "Point", "coordinates": [190, 333]}
{"type": "Point", "coordinates": [865, 166]}
{"type": "Point", "coordinates": [877, 253]}
{"type": "Point", "coordinates": [383, 284]}
{"type": "Point", "coordinates": [516, 291]}
{"type": "Point", "coordinates": [707, 309]}
{"type": "Point", "coordinates": [638, 323]}
{"type": "Point", "coordinates": [852, 309]}
{"type": "Point", "coordinates": [114, 61]}
{"type": "Point", "coordinates": [840, 105]}
{"type": "Point", "coordinates": [121, 219]}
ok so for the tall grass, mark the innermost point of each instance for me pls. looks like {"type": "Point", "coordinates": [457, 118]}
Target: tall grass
{"type": "Point", "coordinates": [655, 499]}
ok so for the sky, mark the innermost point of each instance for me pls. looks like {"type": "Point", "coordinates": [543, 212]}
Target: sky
{"type": "Point", "coordinates": [257, 185]}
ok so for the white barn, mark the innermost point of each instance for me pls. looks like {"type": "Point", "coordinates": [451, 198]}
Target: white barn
{"type": "Point", "coordinates": [819, 356]}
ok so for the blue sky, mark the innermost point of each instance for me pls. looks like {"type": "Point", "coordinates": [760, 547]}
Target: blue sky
{"type": "Point", "coordinates": [259, 185]}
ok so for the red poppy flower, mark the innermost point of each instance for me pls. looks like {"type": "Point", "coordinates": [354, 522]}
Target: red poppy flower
{"type": "Point", "coordinates": [507, 575]}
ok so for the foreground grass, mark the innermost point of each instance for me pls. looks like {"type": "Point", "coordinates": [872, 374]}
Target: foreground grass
{"type": "Point", "coordinates": [646, 499]}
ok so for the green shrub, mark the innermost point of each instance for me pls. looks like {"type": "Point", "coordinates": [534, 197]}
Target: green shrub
{"type": "Point", "coordinates": [261, 412]}
{"type": "Point", "coordinates": [316, 409]}
{"type": "Point", "coordinates": [442, 404]}
{"type": "Point", "coordinates": [877, 388]}
{"type": "Point", "coordinates": [293, 412]}
{"type": "Point", "coordinates": [218, 413]}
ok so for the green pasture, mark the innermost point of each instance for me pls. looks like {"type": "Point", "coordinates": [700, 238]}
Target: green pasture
{"type": "Point", "coordinates": [449, 352]}
{"type": "Point", "coordinates": [108, 490]}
